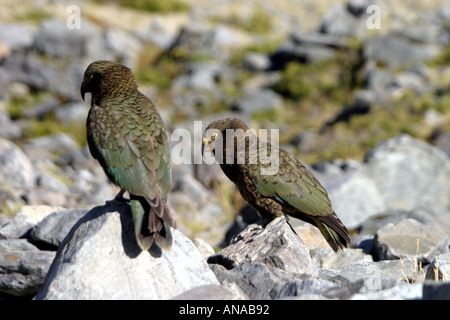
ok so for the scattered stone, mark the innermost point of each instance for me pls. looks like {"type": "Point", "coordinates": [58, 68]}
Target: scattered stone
{"type": "Point", "coordinates": [17, 36]}
{"type": "Point", "coordinates": [22, 267]}
{"type": "Point", "coordinates": [436, 291]}
{"type": "Point", "coordinates": [255, 279]}
{"type": "Point", "coordinates": [25, 219]}
{"type": "Point", "coordinates": [16, 169]}
{"type": "Point", "coordinates": [410, 238]}
{"type": "Point", "coordinates": [255, 61]}
{"type": "Point", "coordinates": [51, 231]}
{"type": "Point", "coordinates": [260, 100]}
{"type": "Point", "coordinates": [213, 292]}
{"type": "Point", "coordinates": [439, 269]}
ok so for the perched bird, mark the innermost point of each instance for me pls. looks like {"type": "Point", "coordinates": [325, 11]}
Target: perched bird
{"type": "Point", "coordinates": [126, 134]}
{"type": "Point", "coordinates": [290, 189]}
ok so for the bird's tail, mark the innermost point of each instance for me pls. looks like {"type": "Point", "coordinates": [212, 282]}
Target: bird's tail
{"type": "Point", "coordinates": [333, 231]}
{"type": "Point", "coordinates": [153, 220]}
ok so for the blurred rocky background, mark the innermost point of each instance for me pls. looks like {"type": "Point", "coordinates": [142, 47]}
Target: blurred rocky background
{"type": "Point", "coordinates": [362, 98]}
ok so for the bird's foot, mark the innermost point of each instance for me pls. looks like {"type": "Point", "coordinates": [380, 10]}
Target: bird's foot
{"type": "Point", "coordinates": [118, 199]}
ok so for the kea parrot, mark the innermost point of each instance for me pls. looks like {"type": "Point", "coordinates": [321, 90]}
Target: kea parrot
{"type": "Point", "coordinates": [126, 134]}
{"type": "Point", "coordinates": [287, 189]}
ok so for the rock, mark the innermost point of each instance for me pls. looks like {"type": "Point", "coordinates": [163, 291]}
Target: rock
{"type": "Point", "coordinates": [103, 240]}
{"type": "Point", "coordinates": [124, 46]}
{"type": "Point", "coordinates": [52, 230]}
{"type": "Point", "coordinates": [205, 249]}
{"type": "Point", "coordinates": [8, 128]}
{"type": "Point", "coordinates": [25, 219]}
{"type": "Point", "coordinates": [213, 292]}
{"type": "Point", "coordinates": [410, 173]}
{"type": "Point", "coordinates": [31, 70]}
{"type": "Point", "coordinates": [258, 100]}
{"type": "Point", "coordinates": [255, 279]}
{"type": "Point", "coordinates": [436, 291]}
{"type": "Point", "coordinates": [201, 40]}
{"type": "Point", "coordinates": [74, 112]}
{"type": "Point", "coordinates": [22, 267]}
{"type": "Point", "coordinates": [275, 245]}
{"type": "Point", "coordinates": [58, 143]}
{"type": "Point", "coordinates": [374, 276]}
{"type": "Point", "coordinates": [394, 51]}
{"type": "Point", "coordinates": [439, 269]}
{"type": "Point", "coordinates": [326, 258]}
{"type": "Point", "coordinates": [290, 51]}
{"type": "Point", "coordinates": [410, 238]}
{"type": "Point", "coordinates": [355, 197]}
{"type": "Point", "coordinates": [16, 169]}
{"type": "Point", "coordinates": [307, 288]}
{"type": "Point", "coordinates": [401, 291]}
{"type": "Point", "coordinates": [255, 61]}
{"type": "Point", "coordinates": [310, 235]}
{"type": "Point", "coordinates": [345, 21]}
{"type": "Point", "coordinates": [201, 76]}
{"type": "Point", "coordinates": [17, 36]}
{"type": "Point", "coordinates": [247, 215]}
{"type": "Point", "coordinates": [58, 41]}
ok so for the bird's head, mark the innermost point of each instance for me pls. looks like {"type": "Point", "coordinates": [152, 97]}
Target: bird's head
{"type": "Point", "coordinates": [103, 76]}
{"type": "Point", "coordinates": [215, 134]}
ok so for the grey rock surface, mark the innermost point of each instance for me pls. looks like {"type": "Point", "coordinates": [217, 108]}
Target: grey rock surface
{"type": "Point", "coordinates": [100, 259]}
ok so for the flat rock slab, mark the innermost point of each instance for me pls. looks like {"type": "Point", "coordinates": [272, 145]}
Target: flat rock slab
{"type": "Point", "coordinates": [410, 238]}
{"type": "Point", "coordinates": [100, 259]}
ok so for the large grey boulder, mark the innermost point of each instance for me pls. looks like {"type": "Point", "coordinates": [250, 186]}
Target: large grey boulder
{"type": "Point", "coordinates": [355, 197]}
{"type": "Point", "coordinates": [100, 259]}
{"type": "Point", "coordinates": [410, 173]}
{"type": "Point", "coordinates": [275, 245]}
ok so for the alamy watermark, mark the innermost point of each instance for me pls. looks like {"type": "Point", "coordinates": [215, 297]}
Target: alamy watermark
{"type": "Point", "coordinates": [236, 147]}
{"type": "Point", "coordinates": [73, 21]}
{"type": "Point", "coordinates": [374, 20]}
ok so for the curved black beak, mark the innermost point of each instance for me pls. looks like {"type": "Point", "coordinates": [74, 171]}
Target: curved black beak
{"type": "Point", "coordinates": [203, 146]}
{"type": "Point", "coordinates": [83, 89]}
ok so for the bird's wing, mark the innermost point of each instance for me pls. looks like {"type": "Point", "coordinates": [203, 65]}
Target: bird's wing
{"type": "Point", "coordinates": [134, 151]}
{"type": "Point", "coordinates": [292, 184]}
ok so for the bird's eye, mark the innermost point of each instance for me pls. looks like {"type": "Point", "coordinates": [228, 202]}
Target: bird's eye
{"type": "Point", "coordinates": [214, 136]}
{"type": "Point", "coordinates": [91, 76]}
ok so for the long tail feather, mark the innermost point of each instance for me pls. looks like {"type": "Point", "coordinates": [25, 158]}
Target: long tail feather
{"type": "Point", "coordinates": [333, 231]}
{"type": "Point", "coordinates": [153, 222]}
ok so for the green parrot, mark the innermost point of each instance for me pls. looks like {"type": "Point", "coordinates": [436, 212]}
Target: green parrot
{"type": "Point", "coordinates": [126, 134]}
{"type": "Point", "coordinates": [287, 189]}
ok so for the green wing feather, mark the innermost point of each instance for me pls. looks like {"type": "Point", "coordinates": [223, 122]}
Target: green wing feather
{"type": "Point", "coordinates": [292, 184]}
{"type": "Point", "coordinates": [126, 145]}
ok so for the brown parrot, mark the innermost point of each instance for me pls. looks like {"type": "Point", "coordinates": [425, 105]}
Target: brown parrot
{"type": "Point", "coordinates": [289, 189]}
{"type": "Point", "coordinates": [126, 134]}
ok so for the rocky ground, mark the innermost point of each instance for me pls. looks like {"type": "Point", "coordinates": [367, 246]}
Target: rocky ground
{"type": "Point", "coordinates": [366, 109]}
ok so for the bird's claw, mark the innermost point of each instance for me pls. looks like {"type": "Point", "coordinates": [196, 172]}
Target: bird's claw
{"type": "Point", "coordinates": [118, 199]}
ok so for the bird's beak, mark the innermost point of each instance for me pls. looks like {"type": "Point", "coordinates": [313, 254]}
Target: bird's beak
{"type": "Point", "coordinates": [83, 89]}
{"type": "Point", "coordinates": [205, 144]}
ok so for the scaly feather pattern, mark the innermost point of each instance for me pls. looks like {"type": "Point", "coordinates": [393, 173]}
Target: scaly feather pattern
{"type": "Point", "coordinates": [289, 189]}
{"type": "Point", "coordinates": [127, 136]}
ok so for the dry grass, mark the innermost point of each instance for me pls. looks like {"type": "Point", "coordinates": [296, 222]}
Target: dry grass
{"type": "Point", "coordinates": [415, 269]}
